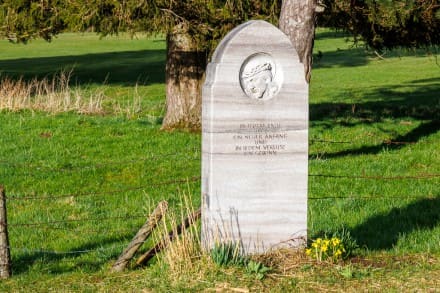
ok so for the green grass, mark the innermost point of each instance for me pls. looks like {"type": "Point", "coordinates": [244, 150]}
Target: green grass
{"type": "Point", "coordinates": [95, 178]}
{"type": "Point", "coordinates": [365, 102]}
{"type": "Point", "coordinates": [117, 60]}
{"type": "Point", "coordinates": [116, 64]}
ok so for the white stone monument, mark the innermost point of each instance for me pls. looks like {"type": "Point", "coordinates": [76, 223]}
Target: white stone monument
{"type": "Point", "coordinates": [255, 142]}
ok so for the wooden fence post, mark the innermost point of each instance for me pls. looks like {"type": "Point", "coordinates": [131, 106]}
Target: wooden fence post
{"type": "Point", "coordinates": [5, 256]}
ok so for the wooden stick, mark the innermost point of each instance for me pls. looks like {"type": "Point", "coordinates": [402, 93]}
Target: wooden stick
{"type": "Point", "coordinates": [5, 256]}
{"type": "Point", "coordinates": [171, 236]}
{"type": "Point", "coordinates": [140, 237]}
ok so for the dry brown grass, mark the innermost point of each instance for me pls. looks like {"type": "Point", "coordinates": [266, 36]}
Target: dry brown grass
{"type": "Point", "coordinates": [378, 272]}
{"type": "Point", "coordinates": [421, 274]}
{"type": "Point", "coordinates": [129, 109]}
{"type": "Point", "coordinates": [182, 254]}
{"type": "Point", "coordinates": [51, 95]}
{"type": "Point", "coordinates": [284, 261]}
{"type": "Point", "coordinates": [183, 266]}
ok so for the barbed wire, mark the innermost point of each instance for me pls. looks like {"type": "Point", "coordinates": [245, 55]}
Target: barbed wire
{"type": "Point", "coordinates": [374, 197]}
{"type": "Point", "coordinates": [81, 229]}
{"type": "Point", "coordinates": [36, 224]}
{"type": "Point", "coordinates": [198, 178]}
{"type": "Point", "coordinates": [386, 142]}
{"type": "Point", "coordinates": [42, 251]}
{"type": "Point", "coordinates": [155, 157]}
{"type": "Point", "coordinates": [109, 192]}
{"type": "Point", "coordinates": [27, 250]}
{"type": "Point", "coordinates": [102, 165]}
{"type": "Point", "coordinates": [50, 224]}
{"type": "Point", "coordinates": [351, 197]}
{"type": "Point", "coordinates": [329, 141]}
{"type": "Point", "coordinates": [409, 177]}
{"type": "Point", "coordinates": [44, 225]}
{"type": "Point", "coordinates": [55, 252]}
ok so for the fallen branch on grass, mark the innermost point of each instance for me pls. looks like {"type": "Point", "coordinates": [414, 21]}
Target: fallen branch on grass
{"type": "Point", "coordinates": [140, 237]}
{"type": "Point", "coordinates": [171, 236]}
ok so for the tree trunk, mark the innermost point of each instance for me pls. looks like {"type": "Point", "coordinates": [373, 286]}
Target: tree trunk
{"type": "Point", "coordinates": [184, 79]}
{"type": "Point", "coordinates": [297, 21]}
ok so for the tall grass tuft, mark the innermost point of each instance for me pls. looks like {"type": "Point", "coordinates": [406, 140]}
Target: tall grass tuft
{"type": "Point", "coordinates": [130, 109]}
{"type": "Point", "coordinates": [53, 95]}
{"type": "Point", "coordinates": [183, 253]}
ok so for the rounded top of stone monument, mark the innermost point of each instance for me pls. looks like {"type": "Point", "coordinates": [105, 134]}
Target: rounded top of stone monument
{"type": "Point", "coordinates": [253, 37]}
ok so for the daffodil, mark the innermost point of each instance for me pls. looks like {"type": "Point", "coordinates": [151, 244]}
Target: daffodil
{"type": "Point", "coordinates": [322, 249]}
{"type": "Point", "coordinates": [335, 241]}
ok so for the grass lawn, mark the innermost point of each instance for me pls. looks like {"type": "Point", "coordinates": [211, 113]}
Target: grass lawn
{"type": "Point", "coordinates": [80, 186]}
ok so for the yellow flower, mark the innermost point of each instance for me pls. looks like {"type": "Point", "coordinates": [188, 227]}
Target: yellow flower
{"type": "Point", "coordinates": [335, 241]}
{"type": "Point", "coordinates": [324, 248]}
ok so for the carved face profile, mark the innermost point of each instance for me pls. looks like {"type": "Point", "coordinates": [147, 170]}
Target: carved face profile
{"type": "Point", "coordinates": [258, 82]}
{"type": "Point", "coordinates": [257, 77]}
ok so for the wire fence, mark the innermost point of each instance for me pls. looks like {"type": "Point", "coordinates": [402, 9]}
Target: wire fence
{"type": "Point", "coordinates": [185, 155]}
{"type": "Point", "coordinates": [192, 154]}
{"type": "Point", "coordinates": [109, 192]}
{"type": "Point", "coordinates": [381, 142]}
{"type": "Point", "coordinates": [50, 227]}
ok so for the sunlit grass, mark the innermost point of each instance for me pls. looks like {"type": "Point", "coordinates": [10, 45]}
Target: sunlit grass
{"type": "Point", "coordinates": [91, 180]}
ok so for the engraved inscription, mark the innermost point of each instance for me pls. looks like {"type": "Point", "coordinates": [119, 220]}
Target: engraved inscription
{"type": "Point", "coordinates": [259, 78]}
{"type": "Point", "coordinates": [260, 139]}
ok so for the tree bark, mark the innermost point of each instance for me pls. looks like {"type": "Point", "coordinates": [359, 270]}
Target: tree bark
{"type": "Point", "coordinates": [185, 70]}
{"type": "Point", "coordinates": [297, 21]}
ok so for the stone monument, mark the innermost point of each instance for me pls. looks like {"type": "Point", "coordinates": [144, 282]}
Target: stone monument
{"type": "Point", "coordinates": [255, 142]}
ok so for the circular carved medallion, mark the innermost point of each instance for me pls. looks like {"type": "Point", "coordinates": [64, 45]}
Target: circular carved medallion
{"type": "Point", "coordinates": [259, 77]}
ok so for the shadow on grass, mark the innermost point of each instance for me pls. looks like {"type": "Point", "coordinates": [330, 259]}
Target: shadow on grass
{"type": "Point", "coordinates": [423, 130]}
{"type": "Point", "coordinates": [72, 260]}
{"type": "Point", "coordinates": [340, 58]}
{"type": "Point", "coordinates": [322, 34]}
{"type": "Point", "coordinates": [349, 55]}
{"type": "Point", "coordinates": [418, 100]}
{"type": "Point", "coordinates": [353, 53]}
{"type": "Point", "coordinates": [383, 231]}
{"type": "Point", "coordinates": [123, 68]}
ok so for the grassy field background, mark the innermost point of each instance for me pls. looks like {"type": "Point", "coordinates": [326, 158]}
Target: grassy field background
{"type": "Point", "coordinates": [80, 186]}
